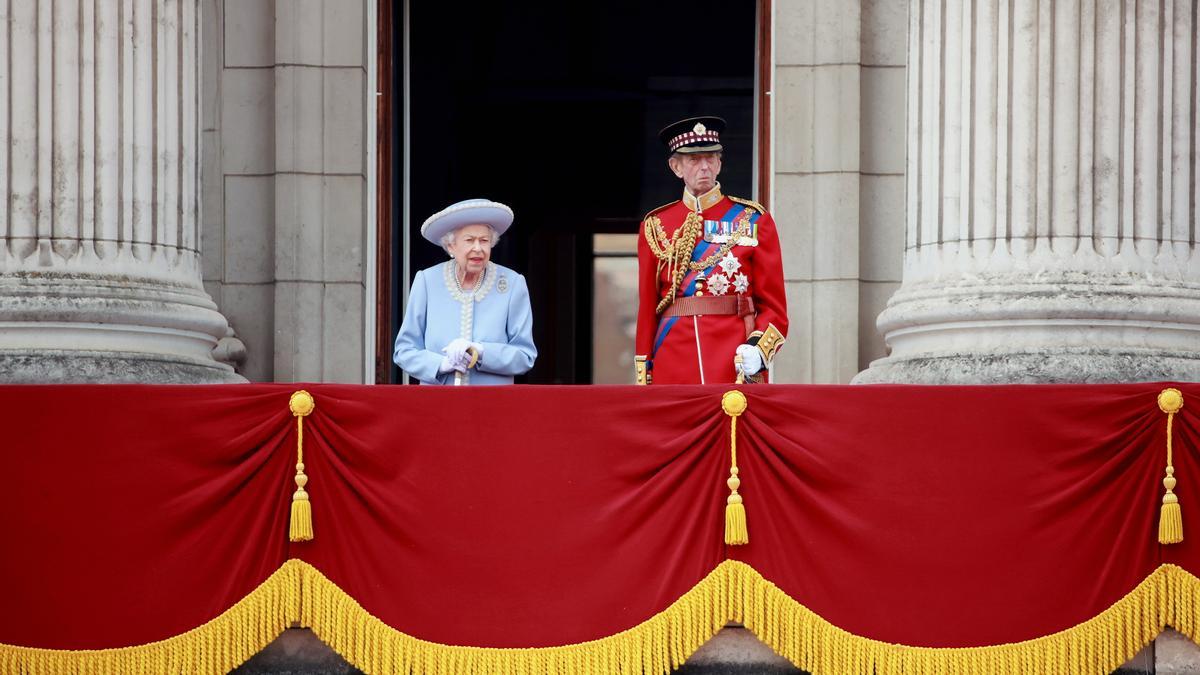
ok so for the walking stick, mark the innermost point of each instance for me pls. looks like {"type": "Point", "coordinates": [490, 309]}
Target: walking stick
{"type": "Point", "coordinates": [737, 366]}
{"type": "Point", "coordinates": [458, 376]}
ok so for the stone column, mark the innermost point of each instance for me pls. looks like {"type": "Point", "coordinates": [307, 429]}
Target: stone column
{"type": "Point", "coordinates": [1051, 195]}
{"type": "Point", "coordinates": [99, 262]}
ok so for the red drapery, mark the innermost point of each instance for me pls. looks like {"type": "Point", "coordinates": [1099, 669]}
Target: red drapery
{"type": "Point", "coordinates": [546, 516]}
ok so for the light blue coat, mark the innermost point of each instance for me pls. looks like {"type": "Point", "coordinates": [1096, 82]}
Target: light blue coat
{"type": "Point", "coordinates": [496, 316]}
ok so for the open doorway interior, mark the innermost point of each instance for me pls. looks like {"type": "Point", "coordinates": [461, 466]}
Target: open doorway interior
{"type": "Point", "coordinates": [554, 109]}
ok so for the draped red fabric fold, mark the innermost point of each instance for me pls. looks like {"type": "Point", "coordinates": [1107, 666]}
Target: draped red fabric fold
{"type": "Point", "coordinates": [998, 514]}
{"type": "Point", "coordinates": [541, 516]}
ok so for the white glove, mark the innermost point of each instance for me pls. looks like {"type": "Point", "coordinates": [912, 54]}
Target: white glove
{"type": "Point", "coordinates": [456, 351]}
{"type": "Point", "coordinates": [449, 365]}
{"type": "Point", "coordinates": [752, 361]}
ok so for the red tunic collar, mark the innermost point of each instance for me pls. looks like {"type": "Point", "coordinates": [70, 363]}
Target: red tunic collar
{"type": "Point", "coordinates": [704, 201]}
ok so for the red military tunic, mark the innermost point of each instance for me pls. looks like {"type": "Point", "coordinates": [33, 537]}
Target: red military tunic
{"type": "Point", "coordinates": [696, 341]}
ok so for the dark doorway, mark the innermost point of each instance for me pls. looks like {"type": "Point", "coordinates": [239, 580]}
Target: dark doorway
{"type": "Point", "coordinates": [554, 109]}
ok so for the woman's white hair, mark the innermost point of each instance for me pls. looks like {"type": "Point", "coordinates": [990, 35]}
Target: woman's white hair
{"type": "Point", "coordinates": [448, 238]}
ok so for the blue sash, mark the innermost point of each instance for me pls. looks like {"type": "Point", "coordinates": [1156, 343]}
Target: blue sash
{"type": "Point", "coordinates": [687, 289]}
{"type": "Point", "coordinates": [704, 248]}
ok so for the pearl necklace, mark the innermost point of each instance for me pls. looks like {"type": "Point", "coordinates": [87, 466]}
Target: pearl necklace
{"type": "Point", "coordinates": [478, 280]}
{"type": "Point", "coordinates": [483, 284]}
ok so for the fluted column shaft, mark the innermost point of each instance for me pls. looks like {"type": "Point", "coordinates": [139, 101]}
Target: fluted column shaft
{"type": "Point", "coordinates": [1051, 189]}
{"type": "Point", "coordinates": [99, 262]}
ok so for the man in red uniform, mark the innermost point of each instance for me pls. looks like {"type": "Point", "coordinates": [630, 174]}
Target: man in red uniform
{"type": "Point", "coordinates": [710, 273]}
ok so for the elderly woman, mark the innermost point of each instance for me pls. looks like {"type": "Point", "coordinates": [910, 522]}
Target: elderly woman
{"type": "Point", "coordinates": [468, 319]}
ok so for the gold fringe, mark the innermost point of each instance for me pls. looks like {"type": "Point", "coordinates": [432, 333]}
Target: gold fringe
{"type": "Point", "coordinates": [733, 591]}
{"type": "Point", "coordinates": [1099, 645]}
{"type": "Point", "coordinates": [657, 645]}
{"type": "Point", "coordinates": [1170, 519]}
{"type": "Point", "coordinates": [216, 647]}
{"type": "Point", "coordinates": [227, 641]}
{"type": "Point", "coordinates": [736, 534]}
{"type": "Point", "coordinates": [300, 527]}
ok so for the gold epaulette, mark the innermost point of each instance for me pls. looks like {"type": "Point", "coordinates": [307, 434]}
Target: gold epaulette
{"type": "Point", "coordinates": [749, 202]}
{"type": "Point", "coordinates": [660, 208]}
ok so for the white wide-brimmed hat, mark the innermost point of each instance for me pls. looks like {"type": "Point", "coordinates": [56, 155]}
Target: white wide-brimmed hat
{"type": "Point", "coordinates": [467, 212]}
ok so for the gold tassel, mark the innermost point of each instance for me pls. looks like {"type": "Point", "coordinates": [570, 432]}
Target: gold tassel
{"type": "Point", "coordinates": [301, 527]}
{"type": "Point", "coordinates": [1170, 519]}
{"type": "Point", "coordinates": [734, 404]}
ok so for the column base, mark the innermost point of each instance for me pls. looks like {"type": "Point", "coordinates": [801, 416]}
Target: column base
{"type": "Point", "coordinates": [75, 327]}
{"type": "Point", "coordinates": [1048, 366]}
{"type": "Point", "coordinates": [1040, 325]}
{"type": "Point", "coordinates": [97, 367]}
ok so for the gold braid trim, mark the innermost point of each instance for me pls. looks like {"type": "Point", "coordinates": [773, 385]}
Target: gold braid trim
{"type": "Point", "coordinates": [676, 251]}
{"type": "Point", "coordinates": [733, 591]}
{"type": "Point", "coordinates": [748, 202]}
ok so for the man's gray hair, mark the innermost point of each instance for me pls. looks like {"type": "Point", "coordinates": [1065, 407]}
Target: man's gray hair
{"type": "Point", "coordinates": [448, 238]}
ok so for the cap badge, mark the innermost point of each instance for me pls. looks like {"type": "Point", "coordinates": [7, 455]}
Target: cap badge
{"type": "Point", "coordinates": [699, 128]}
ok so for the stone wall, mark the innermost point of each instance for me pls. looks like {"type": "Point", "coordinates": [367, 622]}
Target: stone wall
{"type": "Point", "coordinates": [284, 182]}
{"type": "Point", "coordinates": [881, 181]}
{"type": "Point", "coordinates": [838, 182]}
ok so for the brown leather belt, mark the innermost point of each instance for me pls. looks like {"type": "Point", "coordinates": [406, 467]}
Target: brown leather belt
{"type": "Point", "coordinates": [739, 305]}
